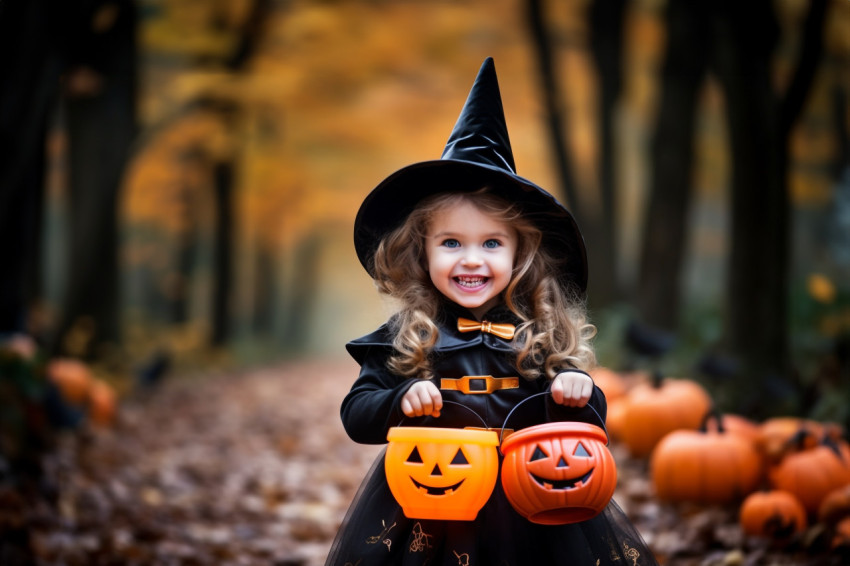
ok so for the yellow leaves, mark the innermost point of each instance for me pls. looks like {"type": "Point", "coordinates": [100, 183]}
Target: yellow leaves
{"type": "Point", "coordinates": [837, 32]}
{"type": "Point", "coordinates": [809, 189]}
{"type": "Point", "coordinates": [836, 320]}
{"type": "Point", "coordinates": [821, 288]}
{"type": "Point", "coordinates": [174, 168]}
{"type": "Point", "coordinates": [166, 36]}
{"type": "Point", "coordinates": [195, 27]}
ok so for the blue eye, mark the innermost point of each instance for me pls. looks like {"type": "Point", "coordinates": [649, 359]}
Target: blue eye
{"type": "Point", "coordinates": [451, 243]}
{"type": "Point", "coordinates": [491, 244]}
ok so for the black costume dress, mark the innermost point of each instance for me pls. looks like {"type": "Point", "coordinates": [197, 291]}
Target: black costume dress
{"type": "Point", "coordinates": [375, 530]}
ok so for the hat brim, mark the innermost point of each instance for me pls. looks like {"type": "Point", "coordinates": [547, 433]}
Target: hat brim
{"type": "Point", "coordinates": [389, 204]}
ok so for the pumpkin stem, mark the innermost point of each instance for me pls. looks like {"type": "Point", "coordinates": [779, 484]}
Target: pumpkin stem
{"type": "Point", "coordinates": [830, 443]}
{"type": "Point", "coordinates": [714, 413]}
{"type": "Point", "coordinates": [657, 378]}
{"type": "Point", "coordinates": [798, 440]}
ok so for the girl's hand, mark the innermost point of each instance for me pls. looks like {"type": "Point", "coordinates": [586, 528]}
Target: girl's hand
{"type": "Point", "coordinates": [572, 389]}
{"type": "Point", "coordinates": [422, 399]}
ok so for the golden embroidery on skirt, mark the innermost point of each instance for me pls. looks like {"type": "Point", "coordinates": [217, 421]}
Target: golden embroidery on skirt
{"type": "Point", "coordinates": [462, 559]}
{"type": "Point", "coordinates": [421, 539]}
{"type": "Point", "coordinates": [381, 537]}
{"type": "Point", "coordinates": [631, 553]}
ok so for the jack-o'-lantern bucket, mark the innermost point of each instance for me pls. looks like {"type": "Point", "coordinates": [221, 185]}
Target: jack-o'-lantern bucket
{"type": "Point", "coordinates": [442, 473]}
{"type": "Point", "coordinates": [559, 472]}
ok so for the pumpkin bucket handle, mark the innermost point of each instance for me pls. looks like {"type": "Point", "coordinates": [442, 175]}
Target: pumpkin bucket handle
{"type": "Point", "coordinates": [479, 417]}
{"type": "Point", "coordinates": [505, 424]}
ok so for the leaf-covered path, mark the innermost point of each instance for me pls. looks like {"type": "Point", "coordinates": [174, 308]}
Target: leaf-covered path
{"type": "Point", "coordinates": [255, 468]}
{"type": "Point", "coordinates": [239, 469]}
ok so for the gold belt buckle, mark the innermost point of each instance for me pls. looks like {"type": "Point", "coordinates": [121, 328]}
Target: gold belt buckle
{"type": "Point", "coordinates": [479, 384]}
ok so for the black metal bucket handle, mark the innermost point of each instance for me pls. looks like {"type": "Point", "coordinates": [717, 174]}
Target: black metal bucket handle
{"type": "Point", "coordinates": [547, 392]}
{"type": "Point", "coordinates": [479, 417]}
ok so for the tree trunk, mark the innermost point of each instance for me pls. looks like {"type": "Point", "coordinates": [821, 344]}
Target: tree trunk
{"type": "Point", "coordinates": [301, 292]}
{"type": "Point", "coordinates": [607, 18]}
{"type": "Point", "coordinates": [101, 127]}
{"type": "Point", "coordinates": [224, 177]}
{"type": "Point", "coordinates": [31, 43]}
{"type": "Point", "coordinates": [597, 232]}
{"type": "Point", "coordinates": [193, 164]}
{"type": "Point", "coordinates": [760, 126]}
{"type": "Point", "coordinates": [665, 229]}
{"type": "Point", "coordinates": [223, 261]}
{"type": "Point", "coordinates": [554, 109]}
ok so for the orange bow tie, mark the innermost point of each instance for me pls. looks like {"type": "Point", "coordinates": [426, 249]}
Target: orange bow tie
{"type": "Point", "coordinates": [503, 330]}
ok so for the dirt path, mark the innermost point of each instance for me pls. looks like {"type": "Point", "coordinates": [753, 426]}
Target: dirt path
{"type": "Point", "coordinates": [246, 469]}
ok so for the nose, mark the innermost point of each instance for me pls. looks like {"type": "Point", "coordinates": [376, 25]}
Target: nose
{"type": "Point", "coordinates": [471, 258]}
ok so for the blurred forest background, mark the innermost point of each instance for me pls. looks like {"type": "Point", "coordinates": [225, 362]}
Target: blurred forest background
{"type": "Point", "coordinates": [180, 177]}
{"type": "Point", "coordinates": [178, 185]}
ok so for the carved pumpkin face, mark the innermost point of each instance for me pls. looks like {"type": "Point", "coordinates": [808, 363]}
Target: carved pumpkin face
{"type": "Point", "coordinates": [441, 473]}
{"type": "Point", "coordinates": [558, 472]}
{"type": "Point", "coordinates": [560, 465]}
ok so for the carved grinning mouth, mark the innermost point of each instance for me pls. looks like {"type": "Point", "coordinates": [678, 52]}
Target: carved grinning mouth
{"type": "Point", "coordinates": [437, 490]}
{"type": "Point", "coordinates": [561, 484]}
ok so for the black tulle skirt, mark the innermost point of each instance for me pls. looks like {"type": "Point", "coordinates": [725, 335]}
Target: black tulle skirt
{"type": "Point", "coordinates": [376, 532]}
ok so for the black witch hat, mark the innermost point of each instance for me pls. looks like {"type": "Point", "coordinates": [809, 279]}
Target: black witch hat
{"type": "Point", "coordinates": [477, 154]}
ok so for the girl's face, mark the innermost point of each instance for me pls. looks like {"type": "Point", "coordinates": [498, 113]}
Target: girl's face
{"type": "Point", "coordinates": [470, 256]}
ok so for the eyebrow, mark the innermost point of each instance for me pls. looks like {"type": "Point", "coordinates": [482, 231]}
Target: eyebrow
{"type": "Point", "coordinates": [488, 236]}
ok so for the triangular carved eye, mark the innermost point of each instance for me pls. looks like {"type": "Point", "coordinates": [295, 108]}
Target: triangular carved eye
{"type": "Point", "coordinates": [460, 459]}
{"type": "Point", "coordinates": [414, 457]}
{"type": "Point", "coordinates": [538, 454]}
{"type": "Point", "coordinates": [581, 451]}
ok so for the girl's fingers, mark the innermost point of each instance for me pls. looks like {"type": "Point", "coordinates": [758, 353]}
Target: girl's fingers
{"type": "Point", "coordinates": [585, 390]}
{"type": "Point", "coordinates": [425, 401]}
{"type": "Point", "coordinates": [421, 400]}
{"type": "Point", "coordinates": [437, 399]}
{"type": "Point", "coordinates": [572, 390]}
{"type": "Point", "coordinates": [407, 408]}
{"type": "Point", "coordinates": [558, 390]}
{"type": "Point", "coordinates": [432, 400]}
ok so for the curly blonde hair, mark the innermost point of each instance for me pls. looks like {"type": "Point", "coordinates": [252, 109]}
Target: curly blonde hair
{"type": "Point", "coordinates": [554, 333]}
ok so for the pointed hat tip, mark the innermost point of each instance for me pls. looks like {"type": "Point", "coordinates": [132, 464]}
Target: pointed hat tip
{"type": "Point", "coordinates": [480, 134]}
{"type": "Point", "coordinates": [488, 66]}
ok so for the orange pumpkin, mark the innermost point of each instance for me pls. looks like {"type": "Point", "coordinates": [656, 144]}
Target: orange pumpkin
{"type": "Point", "coordinates": [609, 381]}
{"type": "Point", "coordinates": [557, 473]}
{"type": "Point", "coordinates": [72, 377]}
{"type": "Point", "coordinates": [841, 534]}
{"type": "Point", "coordinates": [614, 418]}
{"type": "Point", "coordinates": [654, 409]}
{"type": "Point", "coordinates": [441, 473]}
{"type": "Point", "coordinates": [705, 466]}
{"type": "Point", "coordinates": [812, 473]}
{"type": "Point", "coordinates": [772, 514]}
{"type": "Point", "coordinates": [777, 435]}
{"type": "Point", "coordinates": [835, 506]}
{"type": "Point", "coordinates": [737, 424]}
{"type": "Point", "coordinates": [101, 403]}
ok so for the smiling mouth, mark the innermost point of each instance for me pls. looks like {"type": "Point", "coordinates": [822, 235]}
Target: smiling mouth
{"type": "Point", "coordinates": [471, 281]}
{"type": "Point", "coordinates": [562, 484]}
{"type": "Point", "coordinates": [437, 490]}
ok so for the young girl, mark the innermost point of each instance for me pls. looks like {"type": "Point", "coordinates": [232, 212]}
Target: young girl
{"type": "Point", "coordinates": [489, 272]}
